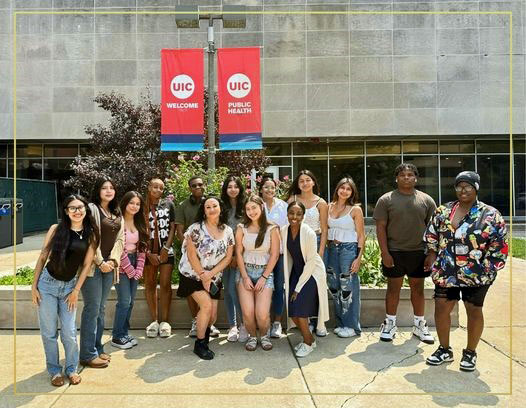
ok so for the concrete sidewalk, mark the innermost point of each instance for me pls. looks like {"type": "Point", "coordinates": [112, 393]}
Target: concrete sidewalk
{"type": "Point", "coordinates": [364, 366]}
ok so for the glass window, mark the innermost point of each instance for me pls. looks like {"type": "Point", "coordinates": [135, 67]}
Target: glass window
{"type": "Point", "coordinates": [281, 161]}
{"type": "Point", "coordinates": [494, 174]}
{"type": "Point", "coordinates": [383, 148]}
{"type": "Point", "coordinates": [457, 147]}
{"type": "Point", "coordinates": [493, 146]}
{"type": "Point", "coordinates": [347, 167]}
{"type": "Point", "coordinates": [64, 150]}
{"type": "Point", "coordinates": [520, 184]}
{"type": "Point", "coordinates": [310, 148]}
{"type": "Point", "coordinates": [347, 148]}
{"type": "Point", "coordinates": [450, 166]}
{"type": "Point", "coordinates": [85, 150]}
{"type": "Point", "coordinates": [519, 146]}
{"type": "Point", "coordinates": [380, 178]}
{"type": "Point", "coordinates": [26, 168]}
{"type": "Point", "coordinates": [3, 151]}
{"type": "Point", "coordinates": [3, 168]}
{"type": "Point", "coordinates": [277, 149]}
{"type": "Point", "coordinates": [420, 147]}
{"type": "Point", "coordinates": [33, 150]}
{"type": "Point", "coordinates": [58, 170]}
{"type": "Point", "coordinates": [427, 180]}
{"type": "Point", "coordinates": [318, 166]}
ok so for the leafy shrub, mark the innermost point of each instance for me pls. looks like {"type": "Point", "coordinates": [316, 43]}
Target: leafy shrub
{"type": "Point", "coordinates": [371, 267]}
{"type": "Point", "coordinates": [24, 276]}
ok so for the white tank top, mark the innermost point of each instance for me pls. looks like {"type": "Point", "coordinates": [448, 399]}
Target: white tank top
{"type": "Point", "coordinates": [251, 254]}
{"type": "Point", "coordinates": [342, 229]}
{"type": "Point", "coordinates": [312, 217]}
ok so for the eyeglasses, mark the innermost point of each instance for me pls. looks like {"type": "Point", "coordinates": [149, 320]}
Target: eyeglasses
{"type": "Point", "coordinates": [467, 189]}
{"type": "Point", "coordinates": [80, 208]}
{"type": "Point", "coordinates": [196, 185]}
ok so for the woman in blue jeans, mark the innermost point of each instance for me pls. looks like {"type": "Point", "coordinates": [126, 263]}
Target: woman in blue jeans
{"type": "Point", "coordinates": [346, 244]}
{"type": "Point", "coordinates": [233, 195]}
{"type": "Point", "coordinates": [103, 273]}
{"type": "Point", "coordinates": [70, 247]}
{"type": "Point", "coordinates": [131, 268]}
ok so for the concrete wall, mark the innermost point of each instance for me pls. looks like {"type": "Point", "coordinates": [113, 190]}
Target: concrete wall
{"type": "Point", "coordinates": [372, 310]}
{"type": "Point", "coordinates": [330, 75]}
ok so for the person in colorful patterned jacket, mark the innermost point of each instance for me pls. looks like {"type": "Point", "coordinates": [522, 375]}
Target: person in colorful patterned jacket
{"type": "Point", "coordinates": [466, 243]}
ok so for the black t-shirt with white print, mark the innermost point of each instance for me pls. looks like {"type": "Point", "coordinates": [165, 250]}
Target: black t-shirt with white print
{"type": "Point", "coordinates": [165, 213]}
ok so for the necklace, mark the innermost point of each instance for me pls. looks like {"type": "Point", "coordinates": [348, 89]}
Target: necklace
{"type": "Point", "coordinates": [79, 233]}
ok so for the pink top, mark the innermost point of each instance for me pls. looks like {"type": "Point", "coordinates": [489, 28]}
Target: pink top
{"type": "Point", "coordinates": [131, 241]}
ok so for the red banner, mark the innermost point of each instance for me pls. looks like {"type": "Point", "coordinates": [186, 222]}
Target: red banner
{"type": "Point", "coordinates": [239, 98]}
{"type": "Point", "coordinates": [182, 100]}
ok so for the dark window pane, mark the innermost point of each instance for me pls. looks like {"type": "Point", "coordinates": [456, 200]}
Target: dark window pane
{"type": "Point", "coordinates": [277, 149]}
{"type": "Point", "coordinates": [3, 151]}
{"type": "Point", "coordinates": [34, 150]}
{"type": "Point", "coordinates": [310, 148]}
{"type": "Point", "coordinates": [26, 168]}
{"type": "Point", "coordinates": [519, 146]}
{"type": "Point", "coordinates": [3, 168]}
{"type": "Point", "coordinates": [318, 166]}
{"type": "Point", "coordinates": [65, 150]}
{"type": "Point", "coordinates": [493, 146]}
{"type": "Point", "coordinates": [348, 167]}
{"type": "Point", "coordinates": [285, 172]}
{"type": "Point", "coordinates": [281, 161]}
{"type": "Point", "coordinates": [383, 148]}
{"type": "Point", "coordinates": [10, 151]}
{"type": "Point", "coordinates": [420, 147]}
{"type": "Point", "coordinates": [348, 148]}
{"type": "Point", "coordinates": [85, 150]}
{"type": "Point", "coordinates": [457, 147]}
{"type": "Point", "coordinates": [494, 174]}
{"type": "Point", "coordinates": [427, 180]}
{"type": "Point", "coordinates": [59, 171]}
{"type": "Point", "coordinates": [520, 184]}
{"type": "Point", "coordinates": [450, 166]}
{"type": "Point", "coordinates": [380, 178]}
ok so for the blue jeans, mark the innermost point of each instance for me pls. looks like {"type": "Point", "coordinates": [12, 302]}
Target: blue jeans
{"type": "Point", "coordinates": [278, 296]}
{"type": "Point", "coordinates": [344, 285]}
{"type": "Point", "coordinates": [233, 309]}
{"type": "Point", "coordinates": [126, 290]}
{"type": "Point", "coordinates": [53, 307]}
{"type": "Point", "coordinates": [95, 291]}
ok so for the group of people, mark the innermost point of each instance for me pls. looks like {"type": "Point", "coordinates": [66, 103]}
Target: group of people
{"type": "Point", "coordinates": [270, 256]}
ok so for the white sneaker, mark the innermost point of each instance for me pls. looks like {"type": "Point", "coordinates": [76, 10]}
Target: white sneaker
{"type": "Point", "coordinates": [304, 350]}
{"type": "Point", "coordinates": [297, 346]}
{"type": "Point", "coordinates": [422, 332]}
{"type": "Point", "coordinates": [214, 331]}
{"type": "Point", "coordinates": [243, 334]}
{"type": "Point", "coordinates": [311, 328]}
{"type": "Point", "coordinates": [387, 330]}
{"type": "Point", "coordinates": [337, 330]}
{"type": "Point", "coordinates": [153, 329]}
{"type": "Point", "coordinates": [165, 330]}
{"type": "Point", "coordinates": [193, 330]}
{"type": "Point", "coordinates": [321, 333]}
{"type": "Point", "coordinates": [276, 330]}
{"type": "Point", "coordinates": [233, 334]}
{"type": "Point", "coordinates": [346, 332]}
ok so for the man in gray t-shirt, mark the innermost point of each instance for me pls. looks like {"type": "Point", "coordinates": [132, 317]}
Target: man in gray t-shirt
{"type": "Point", "coordinates": [401, 218]}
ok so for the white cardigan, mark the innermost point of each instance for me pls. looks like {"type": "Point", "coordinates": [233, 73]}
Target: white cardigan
{"type": "Point", "coordinates": [313, 267]}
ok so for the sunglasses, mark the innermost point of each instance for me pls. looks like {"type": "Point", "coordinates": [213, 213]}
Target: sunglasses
{"type": "Point", "coordinates": [467, 189]}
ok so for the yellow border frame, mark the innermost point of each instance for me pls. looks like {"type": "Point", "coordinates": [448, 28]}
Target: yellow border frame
{"type": "Point", "coordinates": [73, 12]}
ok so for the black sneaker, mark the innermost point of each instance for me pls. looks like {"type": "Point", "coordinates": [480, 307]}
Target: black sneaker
{"type": "Point", "coordinates": [122, 343]}
{"type": "Point", "coordinates": [469, 360]}
{"type": "Point", "coordinates": [202, 350]}
{"type": "Point", "coordinates": [441, 355]}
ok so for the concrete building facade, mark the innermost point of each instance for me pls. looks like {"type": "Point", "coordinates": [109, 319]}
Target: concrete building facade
{"type": "Point", "coordinates": [342, 93]}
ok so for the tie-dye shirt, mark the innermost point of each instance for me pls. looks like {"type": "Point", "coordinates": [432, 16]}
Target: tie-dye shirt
{"type": "Point", "coordinates": [471, 254]}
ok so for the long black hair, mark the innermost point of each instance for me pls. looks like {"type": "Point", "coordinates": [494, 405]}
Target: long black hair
{"type": "Point", "coordinates": [223, 216]}
{"type": "Point", "coordinates": [240, 199]}
{"type": "Point", "coordinates": [59, 243]}
{"type": "Point", "coordinates": [138, 219]}
{"type": "Point", "coordinates": [295, 187]}
{"type": "Point", "coordinates": [113, 205]}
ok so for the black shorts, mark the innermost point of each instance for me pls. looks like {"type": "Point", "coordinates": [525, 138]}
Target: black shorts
{"type": "Point", "coordinates": [474, 295]}
{"type": "Point", "coordinates": [410, 263]}
{"type": "Point", "coordinates": [188, 286]}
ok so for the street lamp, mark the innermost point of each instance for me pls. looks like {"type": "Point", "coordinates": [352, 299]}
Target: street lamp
{"type": "Point", "coordinates": [233, 16]}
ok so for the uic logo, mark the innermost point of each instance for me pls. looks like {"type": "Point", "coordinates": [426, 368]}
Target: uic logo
{"type": "Point", "coordinates": [182, 86]}
{"type": "Point", "coordinates": [238, 85]}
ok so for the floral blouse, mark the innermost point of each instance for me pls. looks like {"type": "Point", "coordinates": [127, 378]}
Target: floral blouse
{"type": "Point", "coordinates": [472, 254]}
{"type": "Point", "coordinates": [210, 251]}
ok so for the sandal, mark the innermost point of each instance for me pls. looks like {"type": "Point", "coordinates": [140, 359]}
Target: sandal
{"type": "Point", "coordinates": [165, 330]}
{"type": "Point", "coordinates": [251, 344]}
{"type": "Point", "coordinates": [57, 380]}
{"type": "Point", "coordinates": [74, 379]}
{"type": "Point", "coordinates": [266, 344]}
{"type": "Point", "coordinates": [153, 329]}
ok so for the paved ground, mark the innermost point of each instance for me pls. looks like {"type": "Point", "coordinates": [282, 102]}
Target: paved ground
{"type": "Point", "coordinates": [340, 373]}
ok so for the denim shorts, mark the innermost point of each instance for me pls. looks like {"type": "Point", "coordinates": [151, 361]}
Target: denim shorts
{"type": "Point", "coordinates": [254, 272]}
